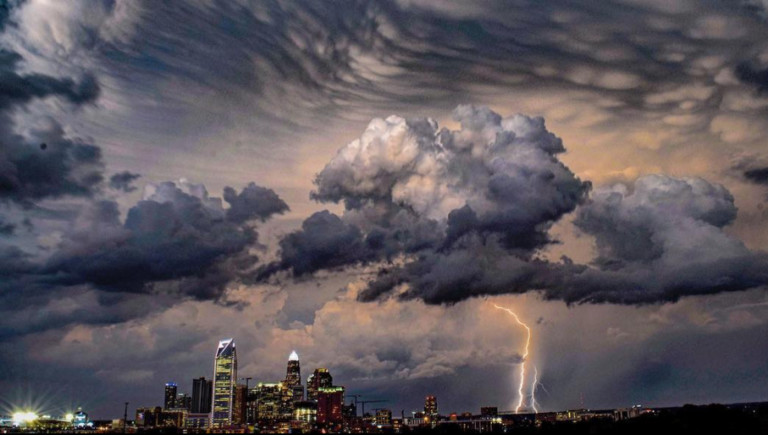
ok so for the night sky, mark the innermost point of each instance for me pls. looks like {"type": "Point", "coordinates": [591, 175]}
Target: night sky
{"type": "Point", "coordinates": [362, 181]}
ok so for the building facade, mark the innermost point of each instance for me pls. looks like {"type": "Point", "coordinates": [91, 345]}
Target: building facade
{"type": "Point", "coordinates": [170, 395]}
{"type": "Point", "coordinates": [202, 390]}
{"type": "Point", "coordinates": [330, 401]}
{"type": "Point", "coordinates": [321, 378]}
{"type": "Point", "coordinates": [224, 381]}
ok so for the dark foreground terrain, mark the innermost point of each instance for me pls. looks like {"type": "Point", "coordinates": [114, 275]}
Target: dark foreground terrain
{"type": "Point", "coordinates": [737, 419]}
{"type": "Point", "coordinates": [689, 419]}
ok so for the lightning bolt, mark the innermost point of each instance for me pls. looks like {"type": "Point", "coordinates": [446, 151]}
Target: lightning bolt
{"type": "Point", "coordinates": [525, 357]}
{"type": "Point", "coordinates": [533, 389]}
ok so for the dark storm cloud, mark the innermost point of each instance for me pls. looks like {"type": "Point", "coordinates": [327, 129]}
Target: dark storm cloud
{"type": "Point", "coordinates": [324, 241]}
{"type": "Point", "coordinates": [48, 164]}
{"type": "Point", "coordinates": [123, 181]}
{"type": "Point", "coordinates": [6, 228]}
{"type": "Point", "coordinates": [178, 240]}
{"type": "Point", "coordinates": [753, 76]}
{"type": "Point", "coordinates": [254, 202]}
{"type": "Point", "coordinates": [490, 192]}
{"type": "Point", "coordinates": [757, 175]}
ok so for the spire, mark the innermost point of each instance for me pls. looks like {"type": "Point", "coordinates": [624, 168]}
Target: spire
{"type": "Point", "coordinates": [294, 356]}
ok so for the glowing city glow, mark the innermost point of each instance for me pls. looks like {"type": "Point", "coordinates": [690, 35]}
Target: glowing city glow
{"type": "Point", "coordinates": [23, 417]}
{"type": "Point", "coordinates": [525, 357]}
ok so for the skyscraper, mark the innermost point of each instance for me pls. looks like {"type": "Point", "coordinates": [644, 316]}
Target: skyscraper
{"type": "Point", "coordinates": [202, 390]}
{"type": "Point", "coordinates": [239, 406]}
{"type": "Point", "coordinates": [170, 395]}
{"type": "Point", "coordinates": [268, 405]}
{"type": "Point", "coordinates": [293, 378]}
{"type": "Point", "coordinates": [224, 380]}
{"type": "Point", "coordinates": [330, 401]}
{"type": "Point", "coordinates": [319, 379]}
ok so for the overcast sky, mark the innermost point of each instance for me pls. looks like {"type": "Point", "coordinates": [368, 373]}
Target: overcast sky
{"type": "Point", "coordinates": [362, 181]}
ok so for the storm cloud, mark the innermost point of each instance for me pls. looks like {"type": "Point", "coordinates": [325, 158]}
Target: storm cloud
{"type": "Point", "coordinates": [410, 188]}
{"type": "Point", "coordinates": [48, 164]}
{"type": "Point", "coordinates": [490, 193]}
{"type": "Point", "coordinates": [177, 237]}
{"type": "Point", "coordinates": [123, 181]}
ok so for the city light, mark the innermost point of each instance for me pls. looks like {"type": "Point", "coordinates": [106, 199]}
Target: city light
{"type": "Point", "coordinates": [24, 417]}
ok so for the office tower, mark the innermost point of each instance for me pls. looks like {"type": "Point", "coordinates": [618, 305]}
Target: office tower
{"type": "Point", "coordinates": [293, 378]}
{"type": "Point", "coordinates": [183, 401]}
{"type": "Point", "coordinates": [268, 402]}
{"type": "Point", "coordinates": [239, 406]}
{"type": "Point", "coordinates": [430, 409]}
{"type": "Point", "coordinates": [202, 389]}
{"type": "Point", "coordinates": [224, 379]}
{"type": "Point", "coordinates": [321, 378]}
{"type": "Point", "coordinates": [170, 395]}
{"type": "Point", "coordinates": [330, 401]}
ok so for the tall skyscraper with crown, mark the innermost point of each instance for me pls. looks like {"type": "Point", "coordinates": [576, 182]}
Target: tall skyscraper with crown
{"type": "Point", "coordinates": [224, 382]}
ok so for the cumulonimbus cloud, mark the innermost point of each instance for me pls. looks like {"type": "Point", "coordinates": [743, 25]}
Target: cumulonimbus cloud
{"type": "Point", "coordinates": [452, 214]}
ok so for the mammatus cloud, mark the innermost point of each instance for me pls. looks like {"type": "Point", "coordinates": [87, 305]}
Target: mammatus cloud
{"type": "Point", "coordinates": [466, 213]}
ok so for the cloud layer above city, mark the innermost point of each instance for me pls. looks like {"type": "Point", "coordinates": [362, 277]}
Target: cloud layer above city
{"type": "Point", "coordinates": [361, 184]}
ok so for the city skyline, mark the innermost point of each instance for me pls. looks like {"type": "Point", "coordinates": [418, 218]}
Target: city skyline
{"type": "Point", "coordinates": [538, 204]}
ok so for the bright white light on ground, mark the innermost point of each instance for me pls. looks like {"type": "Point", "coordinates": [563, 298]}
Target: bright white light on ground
{"type": "Point", "coordinates": [24, 417]}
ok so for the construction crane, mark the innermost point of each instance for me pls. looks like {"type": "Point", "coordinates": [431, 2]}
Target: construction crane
{"type": "Point", "coordinates": [363, 402]}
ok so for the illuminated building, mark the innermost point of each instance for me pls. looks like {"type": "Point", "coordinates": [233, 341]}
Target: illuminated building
{"type": "Point", "coordinates": [183, 401]}
{"type": "Point", "coordinates": [201, 396]}
{"type": "Point", "coordinates": [80, 419]}
{"type": "Point", "coordinates": [293, 378]}
{"type": "Point", "coordinates": [330, 401]}
{"type": "Point", "coordinates": [239, 406]}
{"type": "Point", "coordinates": [430, 410]}
{"type": "Point", "coordinates": [197, 420]}
{"type": "Point", "coordinates": [268, 401]}
{"type": "Point", "coordinates": [305, 415]}
{"type": "Point", "coordinates": [430, 407]}
{"type": "Point", "coordinates": [383, 417]}
{"type": "Point", "coordinates": [224, 379]}
{"type": "Point", "coordinates": [148, 417]}
{"type": "Point", "coordinates": [170, 396]}
{"type": "Point", "coordinates": [321, 378]}
{"type": "Point", "coordinates": [173, 418]}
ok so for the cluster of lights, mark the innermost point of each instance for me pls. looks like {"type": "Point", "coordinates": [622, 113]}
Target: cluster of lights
{"type": "Point", "coordinates": [23, 417]}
